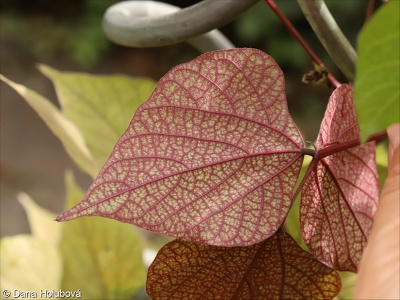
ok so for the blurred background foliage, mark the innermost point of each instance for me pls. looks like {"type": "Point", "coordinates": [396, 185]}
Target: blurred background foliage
{"type": "Point", "coordinates": [67, 35]}
{"type": "Point", "coordinates": [56, 28]}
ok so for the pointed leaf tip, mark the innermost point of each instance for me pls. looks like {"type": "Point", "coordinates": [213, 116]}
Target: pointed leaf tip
{"type": "Point", "coordinates": [101, 106]}
{"type": "Point", "coordinates": [211, 157]}
{"type": "Point", "coordinates": [70, 214]}
{"type": "Point", "coordinates": [40, 220]}
{"type": "Point", "coordinates": [340, 197]}
{"type": "Point", "coordinates": [109, 264]}
{"type": "Point", "coordinates": [68, 133]}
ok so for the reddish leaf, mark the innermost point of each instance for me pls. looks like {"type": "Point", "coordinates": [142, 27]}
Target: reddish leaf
{"type": "Point", "coordinates": [340, 196]}
{"type": "Point", "coordinates": [276, 268]}
{"type": "Point", "coordinates": [211, 157]}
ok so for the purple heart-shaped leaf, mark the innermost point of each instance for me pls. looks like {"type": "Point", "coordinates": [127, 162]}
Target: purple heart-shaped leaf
{"type": "Point", "coordinates": [211, 157]}
{"type": "Point", "coordinates": [340, 196]}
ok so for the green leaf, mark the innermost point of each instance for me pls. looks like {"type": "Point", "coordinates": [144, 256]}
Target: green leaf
{"type": "Point", "coordinates": [29, 263]}
{"type": "Point", "coordinates": [348, 285]}
{"type": "Point", "coordinates": [41, 221]}
{"type": "Point", "coordinates": [382, 163]}
{"type": "Point", "coordinates": [102, 257]}
{"type": "Point", "coordinates": [377, 82]}
{"type": "Point", "coordinates": [101, 106]}
{"type": "Point", "coordinates": [63, 128]}
{"type": "Point", "coordinates": [292, 222]}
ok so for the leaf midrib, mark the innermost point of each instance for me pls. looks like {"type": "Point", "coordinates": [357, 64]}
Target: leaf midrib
{"type": "Point", "coordinates": [175, 174]}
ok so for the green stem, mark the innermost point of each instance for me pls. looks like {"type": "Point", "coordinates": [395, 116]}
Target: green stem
{"type": "Point", "coordinates": [330, 35]}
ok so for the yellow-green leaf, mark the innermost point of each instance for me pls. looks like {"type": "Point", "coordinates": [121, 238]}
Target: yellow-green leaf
{"type": "Point", "coordinates": [292, 222]}
{"type": "Point", "coordinates": [101, 106]}
{"type": "Point", "coordinates": [64, 129]}
{"type": "Point", "coordinates": [41, 221]}
{"type": "Point", "coordinates": [382, 163]}
{"type": "Point", "coordinates": [348, 284]}
{"type": "Point", "coordinates": [101, 257]}
{"type": "Point", "coordinates": [30, 264]}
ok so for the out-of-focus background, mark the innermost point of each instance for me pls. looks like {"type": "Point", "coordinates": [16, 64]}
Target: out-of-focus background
{"type": "Point", "coordinates": [67, 35]}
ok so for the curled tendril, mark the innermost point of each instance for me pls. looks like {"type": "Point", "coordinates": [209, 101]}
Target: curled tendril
{"type": "Point", "coordinates": [153, 24]}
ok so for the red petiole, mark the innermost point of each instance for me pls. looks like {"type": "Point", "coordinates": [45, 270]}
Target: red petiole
{"type": "Point", "coordinates": [319, 154]}
{"type": "Point", "coordinates": [302, 42]}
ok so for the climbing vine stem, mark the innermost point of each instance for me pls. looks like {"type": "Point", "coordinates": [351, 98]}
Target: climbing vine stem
{"type": "Point", "coordinates": [330, 35]}
{"type": "Point", "coordinates": [302, 42]}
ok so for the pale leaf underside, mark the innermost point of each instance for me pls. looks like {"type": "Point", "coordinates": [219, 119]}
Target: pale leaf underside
{"type": "Point", "coordinates": [340, 196]}
{"type": "Point", "coordinates": [211, 157]}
